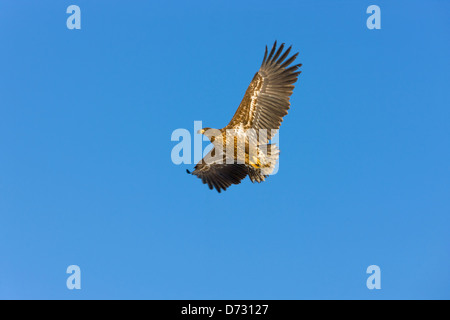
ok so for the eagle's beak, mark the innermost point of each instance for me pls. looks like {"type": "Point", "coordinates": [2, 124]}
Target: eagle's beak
{"type": "Point", "coordinates": [201, 131]}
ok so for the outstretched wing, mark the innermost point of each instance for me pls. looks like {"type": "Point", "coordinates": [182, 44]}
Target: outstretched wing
{"type": "Point", "coordinates": [266, 100]}
{"type": "Point", "coordinates": [219, 174]}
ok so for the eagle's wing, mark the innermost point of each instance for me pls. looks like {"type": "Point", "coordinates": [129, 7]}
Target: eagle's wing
{"type": "Point", "coordinates": [266, 100]}
{"type": "Point", "coordinates": [218, 174]}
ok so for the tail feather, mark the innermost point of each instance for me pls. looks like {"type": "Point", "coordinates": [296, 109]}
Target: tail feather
{"type": "Point", "coordinates": [268, 161]}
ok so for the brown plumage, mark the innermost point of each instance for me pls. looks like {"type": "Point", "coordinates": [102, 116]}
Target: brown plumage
{"type": "Point", "coordinates": [255, 122]}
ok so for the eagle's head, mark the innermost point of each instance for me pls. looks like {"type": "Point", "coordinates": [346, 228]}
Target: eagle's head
{"type": "Point", "coordinates": [203, 131]}
{"type": "Point", "coordinates": [210, 133]}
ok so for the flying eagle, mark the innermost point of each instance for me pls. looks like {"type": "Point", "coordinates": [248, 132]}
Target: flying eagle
{"type": "Point", "coordinates": [242, 147]}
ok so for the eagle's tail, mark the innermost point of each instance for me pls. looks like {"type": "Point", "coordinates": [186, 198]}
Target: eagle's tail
{"type": "Point", "coordinates": [267, 161]}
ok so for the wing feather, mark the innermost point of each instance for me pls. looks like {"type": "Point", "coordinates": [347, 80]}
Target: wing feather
{"type": "Point", "coordinates": [267, 99]}
{"type": "Point", "coordinates": [219, 175]}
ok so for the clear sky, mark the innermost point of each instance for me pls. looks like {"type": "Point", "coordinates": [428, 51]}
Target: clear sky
{"type": "Point", "coordinates": [86, 176]}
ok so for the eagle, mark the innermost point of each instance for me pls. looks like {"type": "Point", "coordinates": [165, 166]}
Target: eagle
{"type": "Point", "coordinates": [243, 147]}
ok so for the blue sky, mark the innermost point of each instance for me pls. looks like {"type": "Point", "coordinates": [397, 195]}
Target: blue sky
{"type": "Point", "coordinates": [86, 176]}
